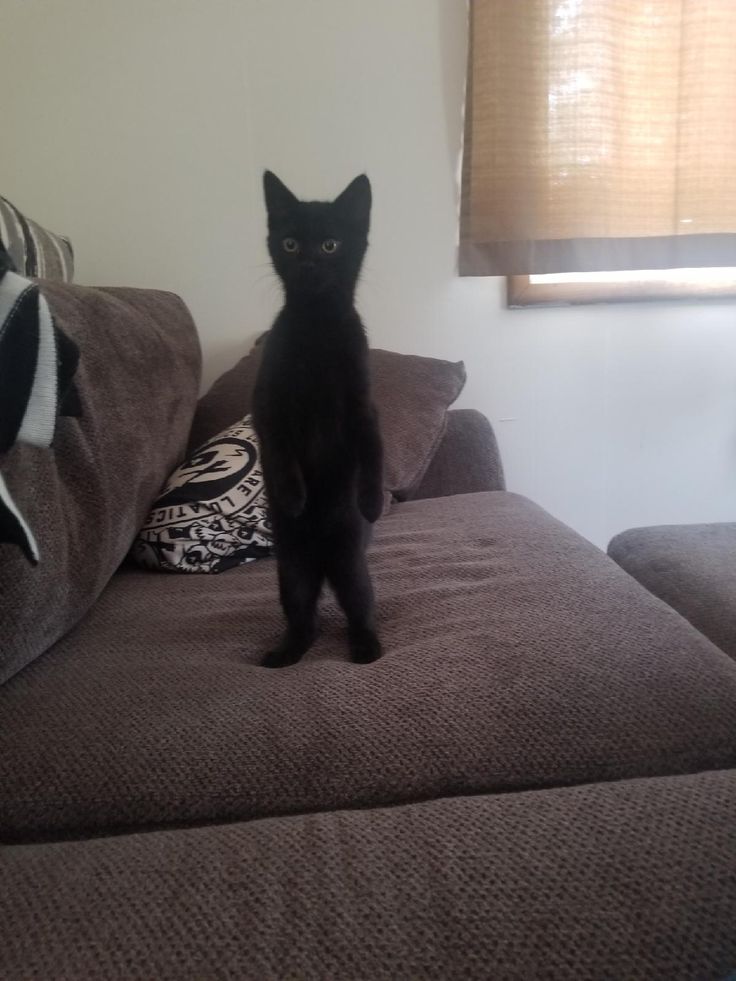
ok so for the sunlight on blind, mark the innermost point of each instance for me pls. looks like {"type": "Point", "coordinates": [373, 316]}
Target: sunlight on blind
{"type": "Point", "coordinates": [723, 276]}
{"type": "Point", "coordinates": [599, 136]}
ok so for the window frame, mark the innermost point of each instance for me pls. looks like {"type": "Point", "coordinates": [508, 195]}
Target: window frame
{"type": "Point", "coordinates": [521, 292]}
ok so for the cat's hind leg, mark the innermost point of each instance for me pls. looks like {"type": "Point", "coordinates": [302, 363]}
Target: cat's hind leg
{"type": "Point", "coordinates": [300, 583]}
{"type": "Point", "coordinates": [347, 574]}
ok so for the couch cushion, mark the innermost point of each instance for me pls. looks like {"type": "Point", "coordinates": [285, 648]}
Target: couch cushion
{"type": "Point", "coordinates": [691, 567]}
{"type": "Point", "coordinates": [411, 393]}
{"type": "Point", "coordinates": [86, 497]}
{"type": "Point", "coordinates": [517, 655]}
{"type": "Point", "coordinates": [632, 880]}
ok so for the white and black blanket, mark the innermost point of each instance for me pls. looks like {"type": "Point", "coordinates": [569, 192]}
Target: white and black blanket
{"type": "Point", "coordinates": [37, 366]}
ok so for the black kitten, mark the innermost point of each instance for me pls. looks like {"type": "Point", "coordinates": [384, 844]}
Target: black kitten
{"type": "Point", "coordinates": [320, 445]}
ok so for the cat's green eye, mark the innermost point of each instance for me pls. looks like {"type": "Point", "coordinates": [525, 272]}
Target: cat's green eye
{"type": "Point", "coordinates": [330, 245]}
{"type": "Point", "coordinates": [290, 245]}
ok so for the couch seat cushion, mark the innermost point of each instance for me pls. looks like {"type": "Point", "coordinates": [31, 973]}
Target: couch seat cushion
{"type": "Point", "coordinates": [691, 567]}
{"type": "Point", "coordinates": [517, 656]}
{"type": "Point", "coordinates": [634, 879]}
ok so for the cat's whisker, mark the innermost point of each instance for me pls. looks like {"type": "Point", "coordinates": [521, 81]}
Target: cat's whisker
{"type": "Point", "coordinates": [269, 275]}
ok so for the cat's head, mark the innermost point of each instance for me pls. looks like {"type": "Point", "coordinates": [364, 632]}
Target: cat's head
{"type": "Point", "coordinates": [317, 246]}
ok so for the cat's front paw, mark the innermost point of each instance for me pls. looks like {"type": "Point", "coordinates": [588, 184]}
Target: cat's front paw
{"type": "Point", "coordinates": [370, 503]}
{"type": "Point", "coordinates": [291, 497]}
{"type": "Point", "coordinates": [294, 504]}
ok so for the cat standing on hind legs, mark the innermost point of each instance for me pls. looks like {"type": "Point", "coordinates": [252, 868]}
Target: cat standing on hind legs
{"type": "Point", "coordinates": [320, 445]}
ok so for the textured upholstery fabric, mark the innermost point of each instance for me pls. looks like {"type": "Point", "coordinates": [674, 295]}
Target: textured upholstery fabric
{"type": "Point", "coordinates": [631, 880]}
{"type": "Point", "coordinates": [691, 567]}
{"type": "Point", "coordinates": [86, 497]}
{"type": "Point", "coordinates": [412, 395]}
{"type": "Point", "coordinates": [466, 461]}
{"type": "Point", "coordinates": [517, 656]}
{"type": "Point", "coordinates": [35, 251]}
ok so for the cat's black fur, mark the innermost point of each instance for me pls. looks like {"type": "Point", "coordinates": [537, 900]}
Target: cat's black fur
{"type": "Point", "coordinates": [320, 444]}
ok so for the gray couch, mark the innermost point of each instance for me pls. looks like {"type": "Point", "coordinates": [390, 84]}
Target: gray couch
{"type": "Point", "coordinates": [537, 780]}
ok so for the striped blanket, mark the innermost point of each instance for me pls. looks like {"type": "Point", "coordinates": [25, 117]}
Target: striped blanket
{"type": "Point", "coordinates": [37, 366]}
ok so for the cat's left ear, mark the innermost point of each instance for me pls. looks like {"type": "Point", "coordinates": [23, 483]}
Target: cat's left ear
{"type": "Point", "coordinates": [355, 200]}
{"type": "Point", "coordinates": [279, 199]}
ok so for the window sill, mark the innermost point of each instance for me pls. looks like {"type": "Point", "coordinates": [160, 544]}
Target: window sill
{"type": "Point", "coordinates": [628, 287]}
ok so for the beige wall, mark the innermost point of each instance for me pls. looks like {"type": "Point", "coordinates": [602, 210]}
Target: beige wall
{"type": "Point", "coordinates": [141, 129]}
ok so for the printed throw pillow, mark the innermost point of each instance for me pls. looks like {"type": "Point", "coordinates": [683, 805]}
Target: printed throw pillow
{"type": "Point", "coordinates": [212, 514]}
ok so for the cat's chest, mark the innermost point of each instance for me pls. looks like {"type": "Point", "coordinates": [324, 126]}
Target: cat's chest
{"type": "Point", "coordinates": [313, 380]}
{"type": "Point", "coordinates": [316, 384]}
{"type": "Point", "coordinates": [318, 399]}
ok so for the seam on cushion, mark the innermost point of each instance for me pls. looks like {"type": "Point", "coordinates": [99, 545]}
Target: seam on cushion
{"type": "Point", "coordinates": [114, 831]}
{"type": "Point", "coordinates": [214, 822]}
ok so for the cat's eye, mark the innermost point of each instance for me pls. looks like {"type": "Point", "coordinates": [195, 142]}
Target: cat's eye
{"type": "Point", "coordinates": [290, 245]}
{"type": "Point", "coordinates": [330, 245]}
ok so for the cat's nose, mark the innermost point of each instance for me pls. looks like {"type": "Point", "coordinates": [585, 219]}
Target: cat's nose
{"type": "Point", "coordinates": [308, 264]}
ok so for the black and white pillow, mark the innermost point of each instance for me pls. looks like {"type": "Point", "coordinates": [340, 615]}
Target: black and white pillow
{"type": "Point", "coordinates": [34, 250]}
{"type": "Point", "coordinates": [212, 514]}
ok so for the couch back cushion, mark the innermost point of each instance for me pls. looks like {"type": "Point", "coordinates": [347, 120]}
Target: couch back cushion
{"type": "Point", "coordinates": [412, 395]}
{"type": "Point", "coordinates": [87, 495]}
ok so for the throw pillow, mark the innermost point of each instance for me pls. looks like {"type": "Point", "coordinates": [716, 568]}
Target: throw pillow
{"type": "Point", "coordinates": [212, 514]}
{"type": "Point", "coordinates": [412, 395]}
{"type": "Point", "coordinates": [35, 251]}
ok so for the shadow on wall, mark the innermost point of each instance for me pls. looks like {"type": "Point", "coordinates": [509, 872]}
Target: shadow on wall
{"type": "Point", "coordinates": [222, 357]}
{"type": "Point", "coordinates": [453, 53]}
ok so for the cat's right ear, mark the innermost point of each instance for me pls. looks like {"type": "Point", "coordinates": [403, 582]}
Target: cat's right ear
{"type": "Point", "coordinates": [279, 199]}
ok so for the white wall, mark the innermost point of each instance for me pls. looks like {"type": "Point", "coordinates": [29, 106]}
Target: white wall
{"type": "Point", "coordinates": [141, 129]}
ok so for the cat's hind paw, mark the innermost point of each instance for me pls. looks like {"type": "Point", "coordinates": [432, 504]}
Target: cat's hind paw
{"type": "Point", "coordinates": [370, 504]}
{"type": "Point", "coordinates": [280, 658]}
{"type": "Point", "coordinates": [365, 647]}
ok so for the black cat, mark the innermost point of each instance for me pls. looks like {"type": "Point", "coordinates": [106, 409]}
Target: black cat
{"type": "Point", "coordinates": [320, 444]}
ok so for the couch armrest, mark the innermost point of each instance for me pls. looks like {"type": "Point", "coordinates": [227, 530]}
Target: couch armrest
{"type": "Point", "coordinates": [467, 459]}
{"type": "Point", "coordinates": [690, 567]}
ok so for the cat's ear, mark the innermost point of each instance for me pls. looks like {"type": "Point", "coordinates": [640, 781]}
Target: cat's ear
{"type": "Point", "coordinates": [279, 199]}
{"type": "Point", "coordinates": [355, 200]}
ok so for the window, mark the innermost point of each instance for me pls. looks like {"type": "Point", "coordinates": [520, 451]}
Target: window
{"type": "Point", "coordinates": [556, 289]}
{"type": "Point", "coordinates": [599, 139]}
